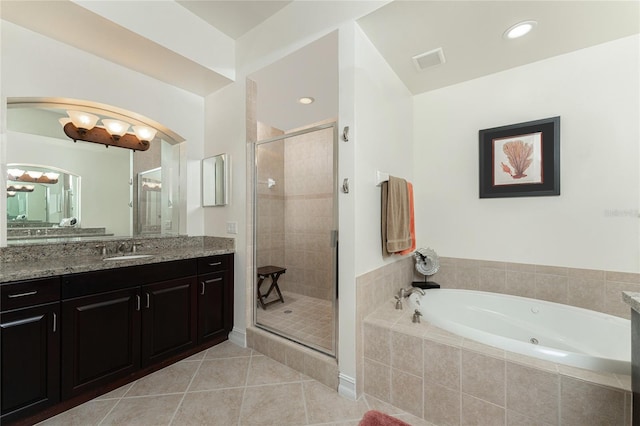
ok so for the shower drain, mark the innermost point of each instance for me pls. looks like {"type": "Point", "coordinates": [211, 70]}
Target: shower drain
{"type": "Point", "coordinates": [534, 340]}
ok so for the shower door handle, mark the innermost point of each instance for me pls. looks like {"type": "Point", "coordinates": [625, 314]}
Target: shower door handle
{"type": "Point", "coordinates": [334, 238]}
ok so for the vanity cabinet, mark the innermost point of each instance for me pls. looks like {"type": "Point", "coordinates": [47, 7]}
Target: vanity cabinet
{"type": "Point", "coordinates": [30, 347]}
{"type": "Point", "coordinates": [66, 339]}
{"type": "Point", "coordinates": [215, 297]}
{"type": "Point", "coordinates": [168, 319]}
{"type": "Point", "coordinates": [101, 339]}
{"type": "Point", "coordinates": [112, 334]}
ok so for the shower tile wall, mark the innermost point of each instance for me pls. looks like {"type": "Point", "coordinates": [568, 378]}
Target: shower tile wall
{"type": "Point", "coordinates": [308, 211]}
{"type": "Point", "coordinates": [270, 201]}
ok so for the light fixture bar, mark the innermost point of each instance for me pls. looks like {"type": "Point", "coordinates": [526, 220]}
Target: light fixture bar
{"type": "Point", "coordinates": [101, 135]}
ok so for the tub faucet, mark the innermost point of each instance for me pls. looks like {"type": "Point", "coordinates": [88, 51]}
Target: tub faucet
{"type": "Point", "coordinates": [406, 292]}
{"type": "Point", "coordinates": [398, 302]}
{"type": "Point", "coordinates": [416, 316]}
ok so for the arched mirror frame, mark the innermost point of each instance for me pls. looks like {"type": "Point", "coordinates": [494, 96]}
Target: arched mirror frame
{"type": "Point", "coordinates": [59, 103]}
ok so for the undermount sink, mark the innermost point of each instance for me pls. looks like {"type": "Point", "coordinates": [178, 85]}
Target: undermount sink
{"type": "Point", "coordinates": [128, 257]}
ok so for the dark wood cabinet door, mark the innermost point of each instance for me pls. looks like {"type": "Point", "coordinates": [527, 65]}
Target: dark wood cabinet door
{"type": "Point", "coordinates": [100, 339]}
{"type": "Point", "coordinates": [213, 312]}
{"type": "Point", "coordinates": [168, 319]}
{"type": "Point", "coordinates": [30, 353]}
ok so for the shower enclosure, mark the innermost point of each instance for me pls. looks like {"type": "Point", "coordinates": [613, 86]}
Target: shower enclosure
{"type": "Point", "coordinates": [295, 201]}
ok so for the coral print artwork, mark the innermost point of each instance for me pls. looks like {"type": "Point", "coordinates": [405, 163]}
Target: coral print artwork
{"type": "Point", "coordinates": [518, 160]}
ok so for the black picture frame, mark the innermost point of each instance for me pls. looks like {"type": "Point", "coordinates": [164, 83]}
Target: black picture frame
{"type": "Point", "coordinates": [520, 160]}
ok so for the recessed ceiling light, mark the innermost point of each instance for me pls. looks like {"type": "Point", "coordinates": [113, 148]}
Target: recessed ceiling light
{"type": "Point", "coordinates": [306, 100]}
{"type": "Point", "coordinates": [519, 29]}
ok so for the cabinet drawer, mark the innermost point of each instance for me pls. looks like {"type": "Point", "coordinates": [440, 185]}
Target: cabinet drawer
{"type": "Point", "coordinates": [214, 263]}
{"type": "Point", "coordinates": [29, 293]}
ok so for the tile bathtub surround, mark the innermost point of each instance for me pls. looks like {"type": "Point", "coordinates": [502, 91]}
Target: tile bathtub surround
{"type": "Point", "coordinates": [225, 385]}
{"type": "Point", "coordinates": [585, 288]}
{"type": "Point", "coordinates": [464, 382]}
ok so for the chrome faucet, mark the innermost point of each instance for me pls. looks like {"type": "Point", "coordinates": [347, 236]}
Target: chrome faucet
{"type": "Point", "coordinates": [406, 292]}
{"type": "Point", "coordinates": [416, 316]}
{"type": "Point", "coordinates": [122, 247]}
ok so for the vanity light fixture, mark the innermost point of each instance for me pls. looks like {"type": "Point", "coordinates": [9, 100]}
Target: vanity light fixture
{"type": "Point", "coordinates": [82, 126]}
{"type": "Point", "coordinates": [520, 29]}
{"type": "Point", "coordinates": [19, 188]}
{"type": "Point", "coordinates": [306, 100]}
{"type": "Point", "coordinates": [19, 175]}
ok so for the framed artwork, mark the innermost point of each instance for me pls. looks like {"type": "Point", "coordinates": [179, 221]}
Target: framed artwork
{"type": "Point", "coordinates": [520, 160]}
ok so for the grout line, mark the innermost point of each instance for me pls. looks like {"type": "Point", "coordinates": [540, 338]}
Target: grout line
{"type": "Point", "coordinates": [184, 394]}
{"type": "Point", "coordinates": [244, 390]}
{"type": "Point", "coordinates": [304, 403]}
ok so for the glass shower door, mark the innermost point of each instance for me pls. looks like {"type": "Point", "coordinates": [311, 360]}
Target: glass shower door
{"type": "Point", "coordinates": [295, 236]}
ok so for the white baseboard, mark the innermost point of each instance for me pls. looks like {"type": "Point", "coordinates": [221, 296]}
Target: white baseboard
{"type": "Point", "coordinates": [347, 387]}
{"type": "Point", "coordinates": [239, 337]}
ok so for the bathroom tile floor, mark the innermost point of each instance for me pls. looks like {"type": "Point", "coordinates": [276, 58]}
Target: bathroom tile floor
{"type": "Point", "coordinates": [306, 319]}
{"type": "Point", "coordinates": [225, 385]}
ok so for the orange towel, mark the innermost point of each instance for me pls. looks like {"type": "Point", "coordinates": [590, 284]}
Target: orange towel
{"type": "Point", "coordinates": [412, 222]}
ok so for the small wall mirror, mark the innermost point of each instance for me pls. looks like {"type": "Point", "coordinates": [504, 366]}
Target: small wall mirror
{"type": "Point", "coordinates": [215, 180]}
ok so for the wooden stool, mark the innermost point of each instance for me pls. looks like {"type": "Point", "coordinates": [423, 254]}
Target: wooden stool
{"type": "Point", "coordinates": [274, 272]}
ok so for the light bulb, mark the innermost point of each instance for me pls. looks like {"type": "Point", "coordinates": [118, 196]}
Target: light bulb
{"type": "Point", "coordinates": [144, 133]}
{"type": "Point", "coordinates": [83, 120]}
{"type": "Point", "coordinates": [116, 128]}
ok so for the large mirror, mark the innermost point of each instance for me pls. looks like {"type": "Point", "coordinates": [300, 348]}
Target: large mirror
{"type": "Point", "coordinates": [111, 177]}
{"type": "Point", "coordinates": [214, 180]}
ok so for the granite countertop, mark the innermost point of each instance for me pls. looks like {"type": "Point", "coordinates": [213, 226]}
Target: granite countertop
{"type": "Point", "coordinates": [81, 261]}
{"type": "Point", "coordinates": [632, 299]}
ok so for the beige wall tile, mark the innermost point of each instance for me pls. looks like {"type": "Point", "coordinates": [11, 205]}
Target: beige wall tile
{"type": "Point", "coordinates": [442, 364]}
{"type": "Point", "coordinates": [468, 277]}
{"type": "Point", "coordinates": [552, 288]}
{"type": "Point", "coordinates": [406, 392]}
{"type": "Point", "coordinates": [377, 343]}
{"type": "Point", "coordinates": [441, 405]}
{"type": "Point", "coordinates": [483, 377]}
{"type": "Point", "coordinates": [586, 293]}
{"type": "Point", "coordinates": [377, 380]}
{"type": "Point", "coordinates": [517, 419]}
{"type": "Point", "coordinates": [493, 280]}
{"type": "Point", "coordinates": [582, 403]}
{"type": "Point", "coordinates": [533, 393]}
{"type": "Point", "coordinates": [406, 353]}
{"type": "Point", "coordinates": [624, 277]}
{"type": "Point", "coordinates": [520, 283]}
{"type": "Point", "coordinates": [481, 413]}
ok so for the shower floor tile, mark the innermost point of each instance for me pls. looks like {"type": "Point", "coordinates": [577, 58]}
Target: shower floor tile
{"type": "Point", "coordinates": [306, 319]}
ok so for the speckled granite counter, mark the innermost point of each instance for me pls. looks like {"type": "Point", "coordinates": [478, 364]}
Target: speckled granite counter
{"type": "Point", "coordinates": [632, 299]}
{"type": "Point", "coordinates": [47, 260]}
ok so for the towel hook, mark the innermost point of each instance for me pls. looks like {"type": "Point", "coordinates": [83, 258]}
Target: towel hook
{"type": "Point", "coordinates": [345, 134]}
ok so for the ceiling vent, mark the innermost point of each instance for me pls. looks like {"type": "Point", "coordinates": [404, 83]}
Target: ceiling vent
{"type": "Point", "coordinates": [429, 59]}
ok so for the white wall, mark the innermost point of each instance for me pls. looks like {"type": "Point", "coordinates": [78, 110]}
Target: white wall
{"type": "Point", "coordinates": [377, 108]}
{"type": "Point", "coordinates": [225, 133]}
{"type": "Point", "coordinates": [37, 66]}
{"type": "Point", "coordinates": [383, 140]}
{"type": "Point", "coordinates": [594, 222]}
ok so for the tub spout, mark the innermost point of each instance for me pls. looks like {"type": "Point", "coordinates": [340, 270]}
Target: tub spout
{"type": "Point", "coordinates": [416, 316]}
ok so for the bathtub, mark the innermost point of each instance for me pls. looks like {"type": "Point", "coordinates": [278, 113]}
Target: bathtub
{"type": "Point", "coordinates": [551, 331]}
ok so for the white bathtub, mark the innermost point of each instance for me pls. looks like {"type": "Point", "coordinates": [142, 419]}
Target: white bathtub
{"type": "Point", "coordinates": [551, 331]}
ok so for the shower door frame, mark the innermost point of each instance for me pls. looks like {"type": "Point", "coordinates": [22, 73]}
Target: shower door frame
{"type": "Point", "coordinates": [333, 352]}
